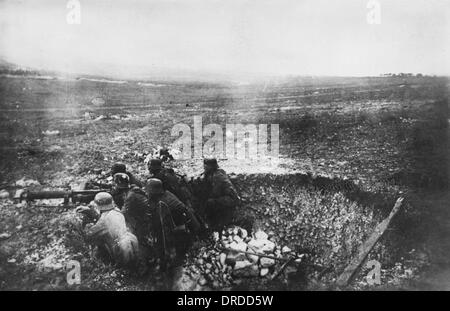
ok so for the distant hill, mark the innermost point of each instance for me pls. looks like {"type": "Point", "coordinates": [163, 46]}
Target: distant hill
{"type": "Point", "coordinates": [115, 72]}
{"type": "Point", "coordinates": [13, 69]}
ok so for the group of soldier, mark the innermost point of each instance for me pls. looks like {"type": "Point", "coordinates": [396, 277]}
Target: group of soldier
{"type": "Point", "coordinates": [159, 219]}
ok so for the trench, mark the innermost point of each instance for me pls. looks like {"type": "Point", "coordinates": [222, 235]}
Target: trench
{"type": "Point", "coordinates": [328, 219]}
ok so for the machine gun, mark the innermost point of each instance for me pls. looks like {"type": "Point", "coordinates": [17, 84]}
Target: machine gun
{"type": "Point", "coordinates": [75, 196]}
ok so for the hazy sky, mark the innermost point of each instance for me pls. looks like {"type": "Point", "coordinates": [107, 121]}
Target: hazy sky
{"type": "Point", "coordinates": [304, 37]}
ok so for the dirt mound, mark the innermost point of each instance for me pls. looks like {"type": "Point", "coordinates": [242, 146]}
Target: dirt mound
{"type": "Point", "coordinates": [326, 218]}
{"type": "Point", "coordinates": [322, 218]}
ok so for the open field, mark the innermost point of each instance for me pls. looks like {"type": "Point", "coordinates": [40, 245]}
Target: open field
{"type": "Point", "coordinates": [376, 138]}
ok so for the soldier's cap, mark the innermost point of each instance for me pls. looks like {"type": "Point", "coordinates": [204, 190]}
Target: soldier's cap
{"type": "Point", "coordinates": [118, 168]}
{"type": "Point", "coordinates": [122, 180]}
{"type": "Point", "coordinates": [104, 201]}
{"type": "Point", "coordinates": [154, 186]}
{"type": "Point", "coordinates": [155, 164]}
{"type": "Point", "coordinates": [211, 162]}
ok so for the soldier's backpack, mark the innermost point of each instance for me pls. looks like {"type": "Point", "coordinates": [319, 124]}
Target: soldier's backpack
{"type": "Point", "coordinates": [178, 185]}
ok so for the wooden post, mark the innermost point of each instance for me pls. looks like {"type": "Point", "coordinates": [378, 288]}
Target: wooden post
{"type": "Point", "coordinates": [366, 247]}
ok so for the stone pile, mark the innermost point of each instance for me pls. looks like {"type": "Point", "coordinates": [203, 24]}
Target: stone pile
{"type": "Point", "coordinates": [234, 255]}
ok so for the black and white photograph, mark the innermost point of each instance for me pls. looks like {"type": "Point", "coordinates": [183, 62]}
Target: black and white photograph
{"type": "Point", "coordinates": [228, 146]}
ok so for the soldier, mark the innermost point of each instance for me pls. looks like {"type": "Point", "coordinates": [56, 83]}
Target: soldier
{"type": "Point", "coordinates": [174, 228]}
{"type": "Point", "coordinates": [110, 233]}
{"type": "Point", "coordinates": [221, 197]}
{"type": "Point", "coordinates": [174, 225]}
{"type": "Point", "coordinates": [171, 181]}
{"type": "Point", "coordinates": [121, 168]}
{"type": "Point", "coordinates": [119, 189]}
{"type": "Point", "coordinates": [133, 203]}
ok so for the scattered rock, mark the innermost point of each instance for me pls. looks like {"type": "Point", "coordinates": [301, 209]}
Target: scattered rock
{"type": "Point", "coordinates": [88, 115]}
{"type": "Point", "coordinates": [243, 233]}
{"type": "Point", "coordinates": [4, 194]}
{"type": "Point", "coordinates": [261, 246]}
{"type": "Point", "coordinates": [408, 272]}
{"type": "Point", "coordinates": [300, 258]}
{"type": "Point", "coordinates": [24, 182]}
{"type": "Point", "coordinates": [241, 246]}
{"type": "Point", "coordinates": [97, 171]}
{"type": "Point", "coordinates": [242, 264]}
{"type": "Point", "coordinates": [5, 235]}
{"type": "Point", "coordinates": [184, 281]}
{"type": "Point", "coordinates": [50, 263]}
{"type": "Point", "coordinates": [261, 235]}
{"type": "Point", "coordinates": [266, 262]}
{"type": "Point", "coordinates": [98, 101]}
{"type": "Point", "coordinates": [256, 245]}
{"type": "Point", "coordinates": [285, 250]}
{"type": "Point", "coordinates": [253, 258]}
{"type": "Point", "coordinates": [264, 272]}
{"type": "Point", "coordinates": [216, 236]}
{"type": "Point", "coordinates": [232, 257]}
{"type": "Point", "coordinates": [222, 259]}
{"type": "Point", "coordinates": [51, 133]}
{"type": "Point", "coordinates": [54, 149]}
{"type": "Point", "coordinates": [237, 239]}
{"type": "Point", "coordinates": [268, 247]}
{"type": "Point", "coordinates": [222, 269]}
{"type": "Point", "coordinates": [99, 118]}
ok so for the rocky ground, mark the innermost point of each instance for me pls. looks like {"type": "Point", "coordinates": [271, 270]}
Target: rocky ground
{"type": "Point", "coordinates": [316, 230]}
{"type": "Point", "coordinates": [348, 149]}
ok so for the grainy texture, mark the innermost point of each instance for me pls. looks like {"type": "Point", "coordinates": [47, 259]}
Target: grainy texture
{"type": "Point", "coordinates": [347, 147]}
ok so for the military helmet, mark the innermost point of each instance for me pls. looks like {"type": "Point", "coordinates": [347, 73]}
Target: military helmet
{"type": "Point", "coordinates": [118, 168]}
{"type": "Point", "coordinates": [104, 201]}
{"type": "Point", "coordinates": [122, 181]}
{"type": "Point", "coordinates": [155, 164]}
{"type": "Point", "coordinates": [211, 162]}
{"type": "Point", "coordinates": [154, 186]}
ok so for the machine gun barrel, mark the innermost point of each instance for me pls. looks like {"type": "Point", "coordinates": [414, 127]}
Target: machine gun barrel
{"type": "Point", "coordinates": [83, 196]}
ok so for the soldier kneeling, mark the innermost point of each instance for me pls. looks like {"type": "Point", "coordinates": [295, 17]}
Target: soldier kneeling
{"type": "Point", "coordinates": [110, 234]}
{"type": "Point", "coordinates": [133, 204]}
{"type": "Point", "coordinates": [174, 226]}
{"type": "Point", "coordinates": [221, 196]}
